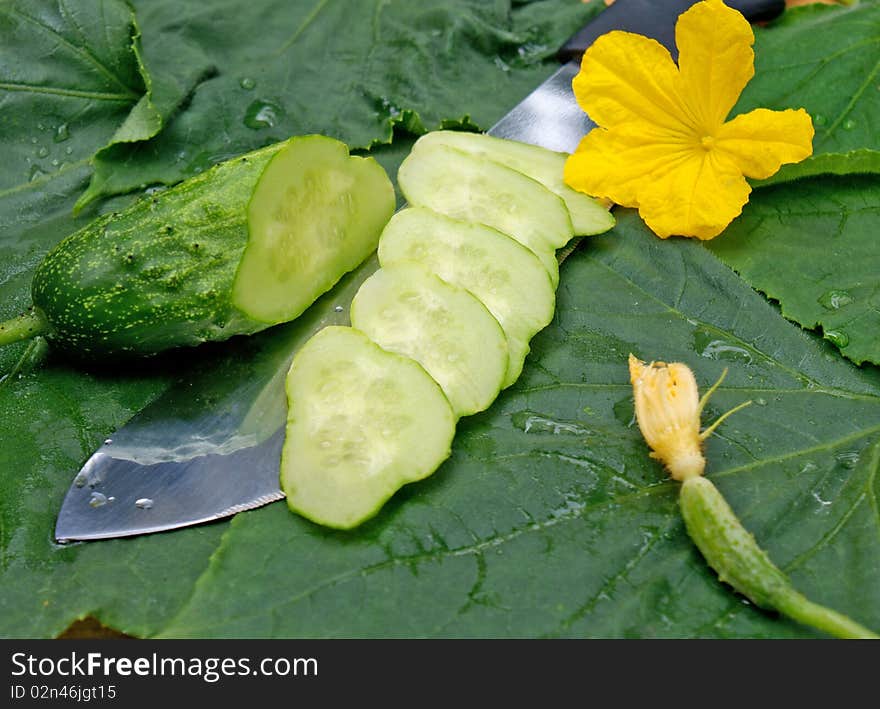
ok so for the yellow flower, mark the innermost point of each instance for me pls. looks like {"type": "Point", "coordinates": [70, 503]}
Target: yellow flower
{"type": "Point", "coordinates": [663, 144]}
{"type": "Point", "coordinates": [668, 411]}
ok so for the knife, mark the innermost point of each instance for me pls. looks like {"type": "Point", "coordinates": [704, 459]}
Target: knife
{"type": "Point", "coordinates": [211, 445]}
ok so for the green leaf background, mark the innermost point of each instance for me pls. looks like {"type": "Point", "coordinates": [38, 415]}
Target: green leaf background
{"type": "Point", "coordinates": [549, 519]}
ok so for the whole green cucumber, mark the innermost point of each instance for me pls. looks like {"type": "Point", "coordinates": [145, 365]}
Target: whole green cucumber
{"type": "Point", "coordinates": [165, 272]}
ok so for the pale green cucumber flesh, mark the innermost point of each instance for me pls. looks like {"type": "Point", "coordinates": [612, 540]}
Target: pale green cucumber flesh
{"type": "Point", "coordinates": [406, 309]}
{"type": "Point", "coordinates": [506, 277]}
{"type": "Point", "coordinates": [315, 214]}
{"type": "Point", "coordinates": [361, 423]}
{"type": "Point", "coordinates": [472, 189]}
{"type": "Point", "coordinates": [588, 215]}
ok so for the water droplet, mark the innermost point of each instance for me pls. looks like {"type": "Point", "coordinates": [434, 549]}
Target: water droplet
{"type": "Point", "coordinates": [68, 150]}
{"type": "Point", "coordinates": [247, 83]}
{"type": "Point", "coordinates": [98, 499]}
{"type": "Point", "coordinates": [849, 124]}
{"type": "Point", "coordinates": [108, 441]}
{"type": "Point", "coordinates": [143, 503]}
{"type": "Point", "coordinates": [708, 344]}
{"type": "Point", "coordinates": [531, 422]}
{"type": "Point", "coordinates": [81, 479]}
{"type": "Point", "coordinates": [837, 337]}
{"type": "Point", "coordinates": [155, 189]}
{"type": "Point", "coordinates": [338, 309]}
{"type": "Point", "coordinates": [54, 162]}
{"type": "Point", "coordinates": [43, 151]}
{"type": "Point", "coordinates": [62, 133]}
{"type": "Point", "coordinates": [263, 114]}
{"type": "Point", "coordinates": [835, 299]}
{"type": "Point", "coordinates": [35, 174]}
{"type": "Point", "coordinates": [848, 459]}
{"type": "Point", "coordinates": [760, 402]}
{"type": "Point", "coordinates": [819, 119]}
{"type": "Point", "coordinates": [326, 443]}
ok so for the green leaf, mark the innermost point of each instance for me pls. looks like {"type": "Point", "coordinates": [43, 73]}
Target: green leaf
{"type": "Point", "coordinates": [825, 59]}
{"type": "Point", "coordinates": [551, 520]}
{"type": "Point", "coordinates": [285, 68]}
{"type": "Point", "coordinates": [813, 247]}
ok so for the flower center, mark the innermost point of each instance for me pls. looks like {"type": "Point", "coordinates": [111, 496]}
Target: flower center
{"type": "Point", "coordinates": [708, 142]}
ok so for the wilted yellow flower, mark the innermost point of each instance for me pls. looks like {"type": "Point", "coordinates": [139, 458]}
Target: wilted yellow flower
{"type": "Point", "coordinates": [668, 408]}
{"type": "Point", "coordinates": [663, 144]}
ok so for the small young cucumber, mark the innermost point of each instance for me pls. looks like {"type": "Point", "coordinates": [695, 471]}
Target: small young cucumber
{"type": "Point", "coordinates": [506, 277]}
{"type": "Point", "coordinates": [588, 215]}
{"type": "Point", "coordinates": [406, 309]}
{"type": "Point", "coordinates": [195, 263]}
{"type": "Point", "coordinates": [362, 422]}
{"type": "Point", "coordinates": [472, 189]}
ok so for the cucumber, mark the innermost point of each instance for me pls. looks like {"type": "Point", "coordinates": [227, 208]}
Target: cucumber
{"type": "Point", "coordinates": [506, 277]}
{"type": "Point", "coordinates": [408, 310]}
{"type": "Point", "coordinates": [316, 213]}
{"type": "Point", "coordinates": [588, 215]}
{"type": "Point", "coordinates": [469, 188]}
{"type": "Point", "coordinates": [361, 423]}
{"type": "Point", "coordinates": [168, 271]}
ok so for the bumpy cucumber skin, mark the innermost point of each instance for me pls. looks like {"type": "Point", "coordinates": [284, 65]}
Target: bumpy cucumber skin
{"type": "Point", "coordinates": [158, 274]}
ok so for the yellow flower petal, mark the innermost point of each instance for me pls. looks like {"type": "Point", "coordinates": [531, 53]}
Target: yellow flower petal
{"type": "Point", "coordinates": [699, 197]}
{"type": "Point", "coordinates": [716, 61]}
{"type": "Point", "coordinates": [618, 164]}
{"type": "Point", "coordinates": [761, 141]}
{"type": "Point", "coordinates": [627, 78]}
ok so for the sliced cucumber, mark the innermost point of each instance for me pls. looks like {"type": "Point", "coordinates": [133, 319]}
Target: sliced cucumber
{"type": "Point", "coordinates": [361, 423]}
{"type": "Point", "coordinates": [315, 214]}
{"type": "Point", "coordinates": [506, 277]}
{"type": "Point", "coordinates": [472, 189]}
{"type": "Point", "coordinates": [588, 215]}
{"type": "Point", "coordinates": [406, 309]}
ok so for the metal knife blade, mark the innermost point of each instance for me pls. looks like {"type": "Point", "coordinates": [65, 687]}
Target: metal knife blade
{"type": "Point", "coordinates": [211, 445]}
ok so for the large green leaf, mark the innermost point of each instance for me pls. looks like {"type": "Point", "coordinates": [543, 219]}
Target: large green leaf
{"type": "Point", "coordinates": [825, 59]}
{"type": "Point", "coordinates": [813, 246]}
{"type": "Point", "coordinates": [550, 519]}
{"type": "Point", "coordinates": [345, 68]}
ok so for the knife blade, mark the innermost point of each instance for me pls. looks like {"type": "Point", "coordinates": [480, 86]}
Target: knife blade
{"type": "Point", "coordinates": [211, 445]}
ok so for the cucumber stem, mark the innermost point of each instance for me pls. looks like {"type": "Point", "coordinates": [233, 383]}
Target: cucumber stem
{"type": "Point", "coordinates": [804, 611]}
{"type": "Point", "coordinates": [27, 325]}
{"type": "Point", "coordinates": [738, 560]}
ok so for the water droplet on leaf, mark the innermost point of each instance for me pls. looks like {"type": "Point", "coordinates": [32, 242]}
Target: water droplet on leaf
{"type": "Point", "coordinates": [708, 344]}
{"type": "Point", "coordinates": [837, 337]}
{"type": "Point", "coordinates": [849, 124]}
{"type": "Point", "coordinates": [143, 503]}
{"type": "Point", "coordinates": [62, 133]}
{"type": "Point", "coordinates": [247, 83]}
{"type": "Point", "coordinates": [263, 114]}
{"type": "Point", "coordinates": [835, 299]}
{"type": "Point", "coordinates": [43, 151]}
{"type": "Point", "coordinates": [819, 119]}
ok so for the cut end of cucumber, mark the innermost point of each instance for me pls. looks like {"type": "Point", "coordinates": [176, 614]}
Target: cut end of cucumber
{"type": "Point", "coordinates": [315, 214]}
{"type": "Point", "coordinates": [588, 215]}
{"type": "Point", "coordinates": [408, 310]}
{"type": "Point", "coordinates": [362, 422]}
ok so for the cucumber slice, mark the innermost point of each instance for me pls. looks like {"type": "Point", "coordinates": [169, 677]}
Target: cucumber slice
{"type": "Point", "coordinates": [361, 423]}
{"type": "Point", "coordinates": [408, 310]}
{"type": "Point", "coordinates": [588, 216]}
{"type": "Point", "coordinates": [506, 277]}
{"type": "Point", "coordinates": [466, 187]}
{"type": "Point", "coordinates": [315, 214]}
